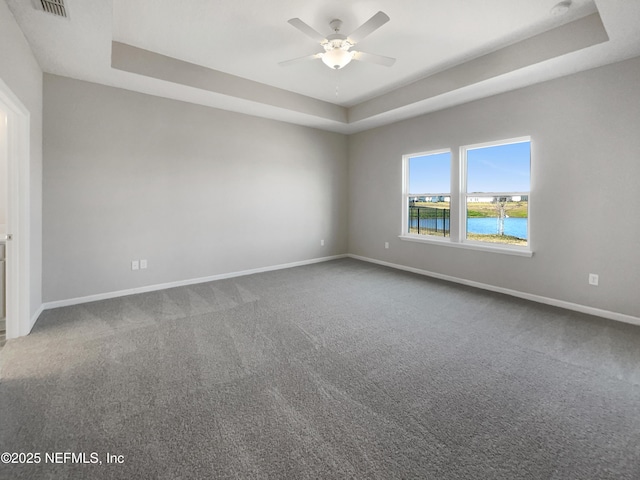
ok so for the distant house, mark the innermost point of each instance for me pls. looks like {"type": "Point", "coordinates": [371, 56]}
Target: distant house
{"type": "Point", "coordinates": [479, 199]}
{"type": "Point", "coordinates": [512, 198]}
{"type": "Point", "coordinates": [429, 199]}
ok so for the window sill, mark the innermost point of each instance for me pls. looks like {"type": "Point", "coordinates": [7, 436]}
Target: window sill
{"type": "Point", "coordinates": [518, 251]}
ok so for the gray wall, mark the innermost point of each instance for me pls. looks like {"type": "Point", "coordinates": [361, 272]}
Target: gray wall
{"type": "Point", "coordinates": [585, 194]}
{"type": "Point", "coordinates": [196, 191]}
{"type": "Point", "coordinates": [200, 192]}
{"type": "Point", "coordinates": [21, 73]}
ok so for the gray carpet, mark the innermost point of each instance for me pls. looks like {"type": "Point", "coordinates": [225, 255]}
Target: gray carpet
{"type": "Point", "coordinates": [336, 370]}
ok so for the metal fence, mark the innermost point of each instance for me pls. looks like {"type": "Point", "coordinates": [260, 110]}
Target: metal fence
{"type": "Point", "coordinates": [429, 221]}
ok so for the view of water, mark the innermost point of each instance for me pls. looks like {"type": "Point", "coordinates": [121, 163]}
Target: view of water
{"type": "Point", "coordinates": [516, 227]}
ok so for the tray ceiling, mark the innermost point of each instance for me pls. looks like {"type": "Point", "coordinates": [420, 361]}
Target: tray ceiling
{"type": "Point", "coordinates": [225, 54]}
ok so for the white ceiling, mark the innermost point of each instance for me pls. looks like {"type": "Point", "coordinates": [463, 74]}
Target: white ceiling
{"type": "Point", "coordinates": [448, 51]}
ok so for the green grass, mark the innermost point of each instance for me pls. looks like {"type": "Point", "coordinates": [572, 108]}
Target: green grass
{"type": "Point", "coordinates": [428, 231]}
{"type": "Point", "coordinates": [444, 205]}
{"type": "Point", "coordinates": [480, 237]}
{"type": "Point", "coordinates": [483, 209]}
{"type": "Point", "coordinates": [495, 238]}
{"type": "Point", "coordinates": [486, 209]}
{"type": "Point", "coordinates": [429, 210]}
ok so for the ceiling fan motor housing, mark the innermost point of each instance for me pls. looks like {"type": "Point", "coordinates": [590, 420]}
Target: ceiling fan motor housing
{"type": "Point", "coordinates": [335, 24]}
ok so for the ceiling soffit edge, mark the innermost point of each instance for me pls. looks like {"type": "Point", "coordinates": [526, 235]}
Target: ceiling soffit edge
{"type": "Point", "coordinates": [577, 35]}
{"type": "Point", "coordinates": [150, 64]}
{"type": "Point", "coordinates": [571, 37]}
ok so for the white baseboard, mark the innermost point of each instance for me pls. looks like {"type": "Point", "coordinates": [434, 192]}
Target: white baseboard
{"type": "Point", "coordinates": [620, 317]}
{"type": "Point", "coordinates": [34, 318]}
{"type": "Point", "coordinates": [180, 283]}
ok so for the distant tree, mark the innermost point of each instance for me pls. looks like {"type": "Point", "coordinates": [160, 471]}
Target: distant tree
{"type": "Point", "coordinates": [502, 206]}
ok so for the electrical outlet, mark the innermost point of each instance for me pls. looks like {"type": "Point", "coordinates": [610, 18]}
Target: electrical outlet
{"type": "Point", "coordinates": [135, 265]}
{"type": "Point", "coordinates": [143, 264]}
{"type": "Point", "coordinates": [593, 279]}
{"type": "Point", "coordinates": [322, 243]}
{"type": "Point", "coordinates": [386, 244]}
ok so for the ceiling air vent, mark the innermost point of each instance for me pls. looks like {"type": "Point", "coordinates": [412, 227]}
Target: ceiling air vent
{"type": "Point", "coordinates": [55, 7]}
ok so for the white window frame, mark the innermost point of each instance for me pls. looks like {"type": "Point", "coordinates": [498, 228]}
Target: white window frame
{"type": "Point", "coordinates": [406, 194]}
{"type": "Point", "coordinates": [458, 206]}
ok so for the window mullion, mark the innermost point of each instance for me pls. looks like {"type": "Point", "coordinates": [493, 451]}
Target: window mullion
{"type": "Point", "coordinates": [460, 187]}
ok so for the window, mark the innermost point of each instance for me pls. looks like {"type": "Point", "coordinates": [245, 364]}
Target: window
{"type": "Point", "coordinates": [483, 204]}
{"type": "Point", "coordinates": [427, 197]}
{"type": "Point", "coordinates": [496, 198]}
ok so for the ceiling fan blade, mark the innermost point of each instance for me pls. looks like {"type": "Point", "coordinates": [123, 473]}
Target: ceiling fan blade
{"type": "Point", "coordinates": [371, 58]}
{"type": "Point", "coordinates": [369, 26]}
{"type": "Point", "coordinates": [300, 59]}
{"type": "Point", "coordinates": [307, 30]}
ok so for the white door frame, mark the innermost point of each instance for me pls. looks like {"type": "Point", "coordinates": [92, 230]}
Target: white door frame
{"type": "Point", "coordinates": [18, 213]}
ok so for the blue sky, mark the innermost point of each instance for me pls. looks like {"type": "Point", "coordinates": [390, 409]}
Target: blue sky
{"type": "Point", "coordinates": [501, 168]}
{"type": "Point", "coordinates": [430, 173]}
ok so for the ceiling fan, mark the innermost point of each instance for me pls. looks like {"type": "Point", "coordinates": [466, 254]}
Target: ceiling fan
{"type": "Point", "coordinates": [337, 47]}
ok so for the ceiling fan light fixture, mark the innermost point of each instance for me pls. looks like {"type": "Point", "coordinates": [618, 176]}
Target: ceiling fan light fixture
{"type": "Point", "coordinates": [337, 47]}
{"type": "Point", "coordinates": [336, 58]}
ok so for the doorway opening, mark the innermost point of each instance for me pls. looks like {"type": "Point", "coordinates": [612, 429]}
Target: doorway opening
{"type": "Point", "coordinates": [14, 153]}
{"type": "Point", "coordinates": [4, 185]}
